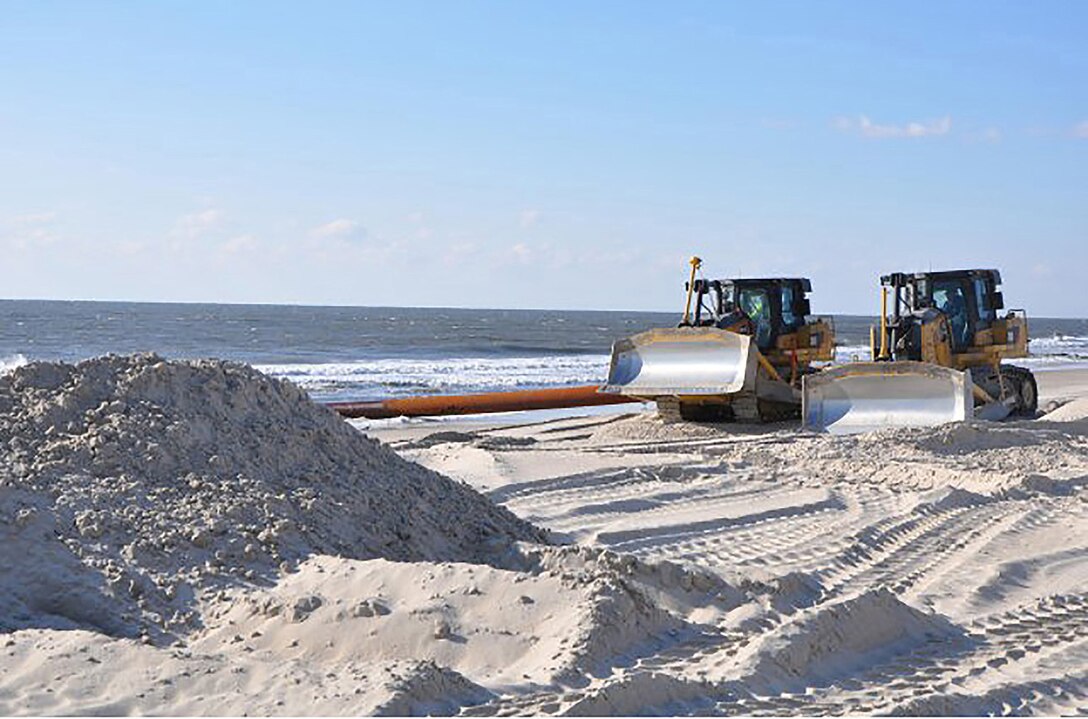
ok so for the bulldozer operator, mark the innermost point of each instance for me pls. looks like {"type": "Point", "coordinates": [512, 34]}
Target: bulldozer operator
{"type": "Point", "coordinates": [949, 300]}
{"type": "Point", "coordinates": [754, 304]}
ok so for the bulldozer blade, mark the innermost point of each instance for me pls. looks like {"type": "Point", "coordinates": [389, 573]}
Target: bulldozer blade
{"type": "Point", "coordinates": [993, 412]}
{"type": "Point", "coordinates": [864, 396]}
{"type": "Point", "coordinates": [686, 361]}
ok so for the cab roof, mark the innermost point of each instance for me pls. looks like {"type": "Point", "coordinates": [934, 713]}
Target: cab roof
{"type": "Point", "coordinates": [806, 284]}
{"type": "Point", "coordinates": [944, 275]}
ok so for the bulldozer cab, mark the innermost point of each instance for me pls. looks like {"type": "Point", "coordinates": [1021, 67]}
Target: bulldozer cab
{"type": "Point", "coordinates": [968, 299]}
{"type": "Point", "coordinates": [774, 306]}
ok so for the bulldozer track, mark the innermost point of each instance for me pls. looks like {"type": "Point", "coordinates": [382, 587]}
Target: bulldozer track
{"type": "Point", "coordinates": [1018, 643]}
{"type": "Point", "coordinates": [942, 551]}
{"type": "Point", "coordinates": [900, 554]}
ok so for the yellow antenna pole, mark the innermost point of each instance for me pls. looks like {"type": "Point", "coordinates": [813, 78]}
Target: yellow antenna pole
{"type": "Point", "coordinates": [883, 323]}
{"type": "Point", "coordinates": [695, 263]}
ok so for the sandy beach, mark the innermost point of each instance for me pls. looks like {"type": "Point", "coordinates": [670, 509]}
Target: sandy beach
{"type": "Point", "coordinates": [284, 562]}
{"type": "Point", "coordinates": [543, 359]}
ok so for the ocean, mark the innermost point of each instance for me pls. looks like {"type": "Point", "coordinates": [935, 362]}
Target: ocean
{"type": "Point", "coordinates": [357, 353]}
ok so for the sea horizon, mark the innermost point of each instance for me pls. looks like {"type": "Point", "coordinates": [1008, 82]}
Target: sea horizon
{"type": "Point", "coordinates": [369, 352]}
{"type": "Point", "coordinates": [319, 305]}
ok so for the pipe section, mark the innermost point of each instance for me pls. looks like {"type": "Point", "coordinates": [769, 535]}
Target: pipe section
{"type": "Point", "coordinates": [436, 405]}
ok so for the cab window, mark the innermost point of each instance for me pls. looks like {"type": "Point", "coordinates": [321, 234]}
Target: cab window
{"type": "Point", "coordinates": [756, 304]}
{"type": "Point", "coordinates": [981, 295]}
{"type": "Point", "coordinates": [789, 319]}
{"type": "Point", "coordinates": [950, 298]}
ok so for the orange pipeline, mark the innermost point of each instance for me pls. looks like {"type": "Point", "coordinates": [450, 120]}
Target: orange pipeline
{"type": "Point", "coordinates": [434, 405]}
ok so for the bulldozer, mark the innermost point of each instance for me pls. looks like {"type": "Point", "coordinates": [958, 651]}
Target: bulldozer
{"type": "Point", "coordinates": [937, 357]}
{"type": "Point", "coordinates": [739, 352]}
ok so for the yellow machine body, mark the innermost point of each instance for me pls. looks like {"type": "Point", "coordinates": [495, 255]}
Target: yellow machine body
{"type": "Point", "coordinates": [920, 374]}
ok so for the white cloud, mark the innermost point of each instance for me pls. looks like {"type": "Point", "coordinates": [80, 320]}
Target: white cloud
{"type": "Point", "coordinates": [341, 228]}
{"type": "Point", "coordinates": [34, 218]}
{"type": "Point", "coordinates": [197, 224]}
{"type": "Point", "coordinates": [203, 219]}
{"type": "Point", "coordinates": [1081, 130]}
{"type": "Point", "coordinates": [843, 124]}
{"type": "Point", "coordinates": [522, 253]}
{"type": "Point", "coordinates": [529, 218]}
{"type": "Point", "coordinates": [460, 252]}
{"type": "Point", "coordinates": [867, 128]}
{"type": "Point", "coordinates": [30, 237]}
{"type": "Point", "coordinates": [191, 227]}
{"type": "Point", "coordinates": [1038, 131]}
{"type": "Point", "coordinates": [239, 244]}
{"type": "Point", "coordinates": [29, 230]}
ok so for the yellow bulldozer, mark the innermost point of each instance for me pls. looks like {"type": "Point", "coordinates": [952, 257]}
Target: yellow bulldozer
{"type": "Point", "coordinates": [739, 353]}
{"type": "Point", "coordinates": [937, 357]}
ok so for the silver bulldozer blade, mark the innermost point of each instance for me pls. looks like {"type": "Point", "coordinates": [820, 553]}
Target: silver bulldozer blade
{"type": "Point", "coordinates": [683, 361]}
{"type": "Point", "coordinates": [864, 396]}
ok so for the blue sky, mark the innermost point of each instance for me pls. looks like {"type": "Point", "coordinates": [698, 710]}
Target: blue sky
{"type": "Point", "coordinates": [559, 154]}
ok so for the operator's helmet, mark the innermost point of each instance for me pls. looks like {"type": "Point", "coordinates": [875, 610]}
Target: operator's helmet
{"type": "Point", "coordinates": [752, 304]}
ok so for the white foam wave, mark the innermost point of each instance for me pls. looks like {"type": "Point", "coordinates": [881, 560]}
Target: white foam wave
{"type": "Point", "coordinates": [10, 362]}
{"type": "Point", "coordinates": [852, 353]}
{"type": "Point", "coordinates": [1057, 351]}
{"type": "Point", "coordinates": [1060, 342]}
{"type": "Point", "coordinates": [1045, 352]}
{"type": "Point", "coordinates": [392, 377]}
{"type": "Point", "coordinates": [405, 376]}
{"type": "Point", "coordinates": [1049, 362]}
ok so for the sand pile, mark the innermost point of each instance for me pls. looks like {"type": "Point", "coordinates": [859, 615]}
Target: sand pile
{"type": "Point", "coordinates": [79, 672]}
{"type": "Point", "coordinates": [978, 456]}
{"type": "Point", "coordinates": [345, 636]}
{"type": "Point", "coordinates": [130, 487]}
{"type": "Point", "coordinates": [831, 641]}
{"type": "Point", "coordinates": [649, 427]}
{"type": "Point", "coordinates": [1074, 411]}
{"type": "Point", "coordinates": [562, 623]}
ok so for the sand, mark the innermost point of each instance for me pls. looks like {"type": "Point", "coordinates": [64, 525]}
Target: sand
{"type": "Point", "coordinates": [922, 571]}
{"type": "Point", "coordinates": [706, 570]}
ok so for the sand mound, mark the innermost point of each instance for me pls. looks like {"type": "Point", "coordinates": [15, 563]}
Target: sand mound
{"type": "Point", "coordinates": [576, 616]}
{"type": "Point", "coordinates": [976, 456]}
{"type": "Point", "coordinates": [152, 482]}
{"type": "Point", "coordinates": [77, 672]}
{"type": "Point", "coordinates": [833, 641]}
{"type": "Point", "coordinates": [343, 636]}
{"type": "Point", "coordinates": [631, 605]}
{"type": "Point", "coordinates": [648, 693]}
{"type": "Point", "coordinates": [426, 689]}
{"type": "Point", "coordinates": [648, 427]}
{"type": "Point", "coordinates": [1074, 411]}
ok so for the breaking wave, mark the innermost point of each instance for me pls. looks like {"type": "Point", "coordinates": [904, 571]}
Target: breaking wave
{"type": "Point", "coordinates": [11, 362]}
{"type": "Point", "coordinates": [401, 377]}
{"type": "Point", "coordinates": [1054, 352]}
{"type": "Point", "coordinates": [398, 377]}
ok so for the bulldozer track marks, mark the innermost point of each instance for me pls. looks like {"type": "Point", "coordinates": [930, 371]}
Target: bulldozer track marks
{"type": "Point", "coordinates": [656, 539]}
{"type": "Point", "coordinates": [899, 554]}
{"type": "Point", "coordinates": [1009, 653]}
